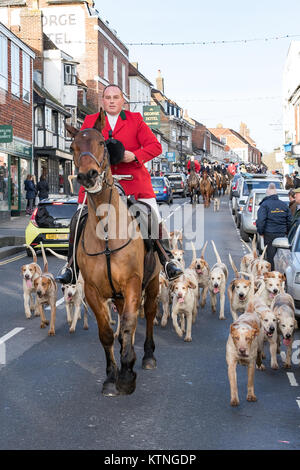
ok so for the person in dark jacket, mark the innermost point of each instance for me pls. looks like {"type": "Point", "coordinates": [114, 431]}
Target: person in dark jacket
{"type": "Point", "coordinates": [274, 219]}
{"type": "Point", "coordinates": [43, 188]}
{"type": "Point", "coordinates": [30, 193]}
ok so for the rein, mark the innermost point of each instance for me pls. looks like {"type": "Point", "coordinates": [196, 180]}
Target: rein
{"type": "Point", "coordinates": [107, 251]}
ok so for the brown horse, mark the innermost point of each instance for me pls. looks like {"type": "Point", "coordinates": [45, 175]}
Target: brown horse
{"type": "Point", "coordinates": [206, 189]}
{"type": "Point", "coordinates": [111, 261]}
{"type": "Point", "coordinates": [218, 180]}
{"type": "Point", "coordinates": [193, 185]}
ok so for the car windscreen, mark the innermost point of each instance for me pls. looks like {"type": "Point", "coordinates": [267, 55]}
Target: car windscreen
{"type": "Point", "coordinates": [157, 183]}
{"type": "Point", "coordinates": [55, 215]}
{"type": "Point", "coordinates": [174, 178]}
{"type": "Point", "coordinates": [260, 196]}
{"type": "Point", "coordinates": [258, 184]}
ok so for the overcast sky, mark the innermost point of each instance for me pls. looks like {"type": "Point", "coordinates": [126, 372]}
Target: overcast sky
{"type": "Point", "coordinates": [216, 83]}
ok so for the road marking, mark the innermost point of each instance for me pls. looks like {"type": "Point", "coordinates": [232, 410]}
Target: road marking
{"type": "Point", "coordinates": [292, 379]}
{"type": "Point", "coordinates": [10, 260]}
{"type": "Point", "coordinates": [298, 401]}
{"type": "Point", "coordinates": [60, 301]}
{"type": "Point", "coordinates": [3, 346]}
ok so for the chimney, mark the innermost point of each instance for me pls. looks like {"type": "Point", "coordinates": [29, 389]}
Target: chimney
{"type": "Point", "coordinates": [160, 82]}
{"type": "Point", "coordinates": [31, 32]}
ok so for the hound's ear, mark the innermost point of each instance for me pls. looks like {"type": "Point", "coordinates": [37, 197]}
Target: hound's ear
{"type": "Point", "coordinates": [72, 130]}
{"type": "Point", "coordinates": [100, 121]}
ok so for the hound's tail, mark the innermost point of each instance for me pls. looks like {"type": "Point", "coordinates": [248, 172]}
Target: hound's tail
{"type": "Point", "coordinates": [34, 255]}
{"type": "Point", "coordinates": [194, 252]}
{"type": "Point", "coordinates": [234, 267]}
{"type": "Point", "coordinates": [203, 250]}
{"type": "Point", "coordinates": [65, 258]}
{"type": "Point", "coordinates": [216, 252]}
{"type": "Point", "coordinates": [44, 259]}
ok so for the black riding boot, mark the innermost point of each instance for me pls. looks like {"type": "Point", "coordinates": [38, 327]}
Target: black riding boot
{"type": "Point", "coordinates": [172, 270]}
{"type": "Point", "coordinates": [68, 276]}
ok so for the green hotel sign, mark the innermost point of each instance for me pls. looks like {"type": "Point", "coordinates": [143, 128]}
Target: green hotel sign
{"type": "Point", "coordinates": [152, 116]}
{"type": "Point", "coordinates": [6, 134]}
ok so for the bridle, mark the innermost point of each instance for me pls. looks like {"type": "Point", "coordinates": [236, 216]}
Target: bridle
{"type": "Point", "coordinates": [102, 175]}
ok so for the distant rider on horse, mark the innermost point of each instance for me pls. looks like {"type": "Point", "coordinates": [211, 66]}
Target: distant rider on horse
{"type": "Point", "coordinates": [130, 143]}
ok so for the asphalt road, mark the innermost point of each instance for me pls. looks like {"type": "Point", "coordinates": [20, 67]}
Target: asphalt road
{"type": "Point", "coordinates": [50, 387]}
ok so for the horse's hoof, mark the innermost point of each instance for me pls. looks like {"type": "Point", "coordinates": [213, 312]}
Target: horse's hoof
{"type": "Point", "coordinates": [109, 389]}
{"type": "Point", "coordinates": [126, 383]}
{"type": "Point", "coordinates": [149, 363]}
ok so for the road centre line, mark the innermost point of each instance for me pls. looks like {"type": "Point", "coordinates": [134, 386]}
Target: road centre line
{"type": "Point", "coordinates": [15, 258]}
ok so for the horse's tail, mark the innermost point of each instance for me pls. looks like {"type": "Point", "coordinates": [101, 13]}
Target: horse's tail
{"type": "Point", "coordinates": [216, 252]}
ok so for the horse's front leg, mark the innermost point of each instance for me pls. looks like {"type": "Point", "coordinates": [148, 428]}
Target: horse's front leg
{"type": "Point", "coordinates": [106, 336]}
{"type": "Point", "coordinates": [151, 299]}
{"type": "Point", "coordinates": [128, 321]}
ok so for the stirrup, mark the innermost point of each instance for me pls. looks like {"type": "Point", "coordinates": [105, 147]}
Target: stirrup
{"type": "Point", "coordinates": [172, 271]}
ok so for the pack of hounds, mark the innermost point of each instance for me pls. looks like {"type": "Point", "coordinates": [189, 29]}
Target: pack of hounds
{"type": "Point", "coordinates": [261, 310]}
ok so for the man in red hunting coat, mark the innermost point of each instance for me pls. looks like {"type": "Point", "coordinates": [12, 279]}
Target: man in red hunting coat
{"type": "Point", "coordinates": [140, 146]}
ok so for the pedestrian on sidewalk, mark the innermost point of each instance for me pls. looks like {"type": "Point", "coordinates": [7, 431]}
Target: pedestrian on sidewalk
{"type": "Point", "coordinates": [31, 191]}
{"type": "Point", "coordinates": [293, 203]}
{"type": "Point", "coordinates": [42, 188]}
{"type": "Point", "coordinates": [274, 219]}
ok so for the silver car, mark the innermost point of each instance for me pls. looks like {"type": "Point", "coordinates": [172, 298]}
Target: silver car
{"type": "Point", "coordinates": [249, 182]}
{"type": "Point", "coordinates": [249, 213]}
{"type": "Point", "coordinates": [287, 261]}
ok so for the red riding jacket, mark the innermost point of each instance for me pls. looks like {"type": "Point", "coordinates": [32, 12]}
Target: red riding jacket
{"type": "Point", "coordinates": [197, 165]}
{"type": "Point", "coordinates": [138, 138]}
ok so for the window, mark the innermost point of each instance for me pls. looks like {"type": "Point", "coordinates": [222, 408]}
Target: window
{"type": "Point", "coordinates": [26, 77]}
{"type": "Point", "coordinates": [73, 119]}
{"type": "Point", "coordinates": [223, 140]}
{"type": "Point", "coordinates": [15, 70]}
{"type": "Point", "coordinates": [115, 70]}
{"type": "Point", "coordinates": [48, 118]}
{"type": "Point", "coordinates": [124, 78]}
{"type": "Point", "coordinates": [70, 74]}
{"type": "Point", "coordinates": [105, 63]}
{"type": "Point", "coordinates": [3, 62]}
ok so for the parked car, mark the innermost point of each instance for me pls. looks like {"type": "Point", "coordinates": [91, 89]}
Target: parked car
{"type": "Point", "coordinates": [234, 183]}
{"type": "Point", "coordinates": [247, 217]}
{"type": "Point", "coordinates": [162, 189]}
{"type": "Point", "coordinates": [50, 223]}
{"type": "Point", "coordinates": [178, 183]}
{"type": "Point", "coordinates": [287, 261]}
{"type": "Point", "coordinates": [249, 182]}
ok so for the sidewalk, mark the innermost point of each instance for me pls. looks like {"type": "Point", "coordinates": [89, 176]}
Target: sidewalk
{"type": "Point", "coordinates": [12, 235]}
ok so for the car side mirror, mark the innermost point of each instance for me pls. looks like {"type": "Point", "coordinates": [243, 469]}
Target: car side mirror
{"type": "Point", "coordinates": [281, 242]}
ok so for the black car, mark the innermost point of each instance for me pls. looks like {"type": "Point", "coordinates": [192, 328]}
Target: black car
{"type": "Point", "coordinates": [178, 183]}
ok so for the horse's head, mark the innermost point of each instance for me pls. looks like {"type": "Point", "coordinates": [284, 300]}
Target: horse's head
{"type": "Point", "coordinates": [90, 155]}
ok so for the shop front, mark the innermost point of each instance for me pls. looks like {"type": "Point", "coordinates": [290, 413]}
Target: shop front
{"type": "Point", "coordinates": [15, 165]}
{"type": "Point", "coordinates": [55, 166]}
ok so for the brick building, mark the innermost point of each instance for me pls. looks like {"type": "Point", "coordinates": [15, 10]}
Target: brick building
{"type": "Point", "coordinates": [16, 112]}
{"type": "Point", "coordinates": [76, 27]}
{"type": "Point", "coordinates": [242, 146]}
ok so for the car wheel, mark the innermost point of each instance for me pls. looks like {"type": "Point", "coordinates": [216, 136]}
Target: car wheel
{"type": "Point", "coordinates": [244, 235]}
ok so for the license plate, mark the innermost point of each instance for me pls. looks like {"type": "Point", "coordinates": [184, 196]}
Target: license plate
{"type": "Point", "coordinates": [156, 192]}
{"type": "Point", "coordinates": [57, 236]}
